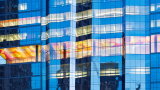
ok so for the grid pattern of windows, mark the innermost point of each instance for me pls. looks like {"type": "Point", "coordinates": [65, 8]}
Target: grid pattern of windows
{"type": "Point", "coordinates": [79, 44]}
{"type": "Point", "coordinates": [155, 49]}
{"type": "Point", "coordinates": [20, 39]}
{"type": "Point", "coordinates": [137, 45]}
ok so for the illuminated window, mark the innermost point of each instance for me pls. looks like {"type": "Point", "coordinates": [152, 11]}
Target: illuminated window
{"type": "Point", "coordinates": [23, 6]}
{"type": "Point", "coordinates": [152, 7]}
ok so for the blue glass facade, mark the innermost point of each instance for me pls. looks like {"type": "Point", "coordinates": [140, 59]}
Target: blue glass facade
{"type": "Point", "coordinates": [79, 44]}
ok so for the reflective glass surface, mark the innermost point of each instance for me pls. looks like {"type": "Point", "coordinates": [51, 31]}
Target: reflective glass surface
{"type": "Point", "coordinates": [79, 44]}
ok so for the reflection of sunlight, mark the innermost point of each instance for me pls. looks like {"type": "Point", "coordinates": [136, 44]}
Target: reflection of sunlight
{"type": "Point", "coordinates": [23, 6]}
{"type": "Point", "coordinates": [152, 8]}
{"type": "Point", "coordinates": [158, 6]}
{"type": "Point", "coordinates": [137, 10]}
{"type": "Point", "coordinates": [140, 70]}
{"type": "Point", "coordinates": [107, 13]}
{"type": "Point", "coordinates": [155, 23]}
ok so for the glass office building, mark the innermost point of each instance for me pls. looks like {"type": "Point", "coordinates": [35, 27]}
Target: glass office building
{"type": "Point", "coordinates": [79, 44]}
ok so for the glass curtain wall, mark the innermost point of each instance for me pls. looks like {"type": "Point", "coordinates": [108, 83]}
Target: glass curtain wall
{"type": "Point", "coordinates": [61, 38]}
{"type": "Point", "coordinates": [20, 38]}
{"type": "Point", "coordinates": [155, 47]}
{"type": "Point", "coordinates": [107, 41]}
{"type": "Point", "coordinates": [137, 44]}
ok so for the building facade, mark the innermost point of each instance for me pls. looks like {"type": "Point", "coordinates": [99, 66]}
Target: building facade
{"type": "Point", "coordinates": [79, 44]}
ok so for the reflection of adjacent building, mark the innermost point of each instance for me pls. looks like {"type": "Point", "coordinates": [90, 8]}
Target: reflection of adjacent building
{"type": "Point", "coordinates": [18, 67]}
{"type": "Point", "coordinates": [6, 7]}
{"type": "Point", "coordinates": [109, 76]}
{"type": "Point", "coordinates": [14, 77]}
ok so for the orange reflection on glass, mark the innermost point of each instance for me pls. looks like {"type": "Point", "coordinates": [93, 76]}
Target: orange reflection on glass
{"type": "Point", "coordinates": [158, 38]}
{"type": "Point", "coordinates": [20, 21]}
{"type": "Point", "coordinates": [152, 38]}
{"type": "Point", "coordinates": [85, 48]}
{"type": "Point", "coordinates": [20, 54]}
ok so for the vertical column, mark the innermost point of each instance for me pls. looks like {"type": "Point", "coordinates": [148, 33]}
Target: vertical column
{"type": "Point", "coordinates": [72, 45]}
{"type": "Point", "coordinates": [43, 43]}
{"type": "Point", "coordinates": [123, 46]}
{"type": "Point", "coordinates": [95, 68]}
{"type": "Point", "coordinates": [36, 53]}
{"type": "Point", "coordinates": [95, 59]}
